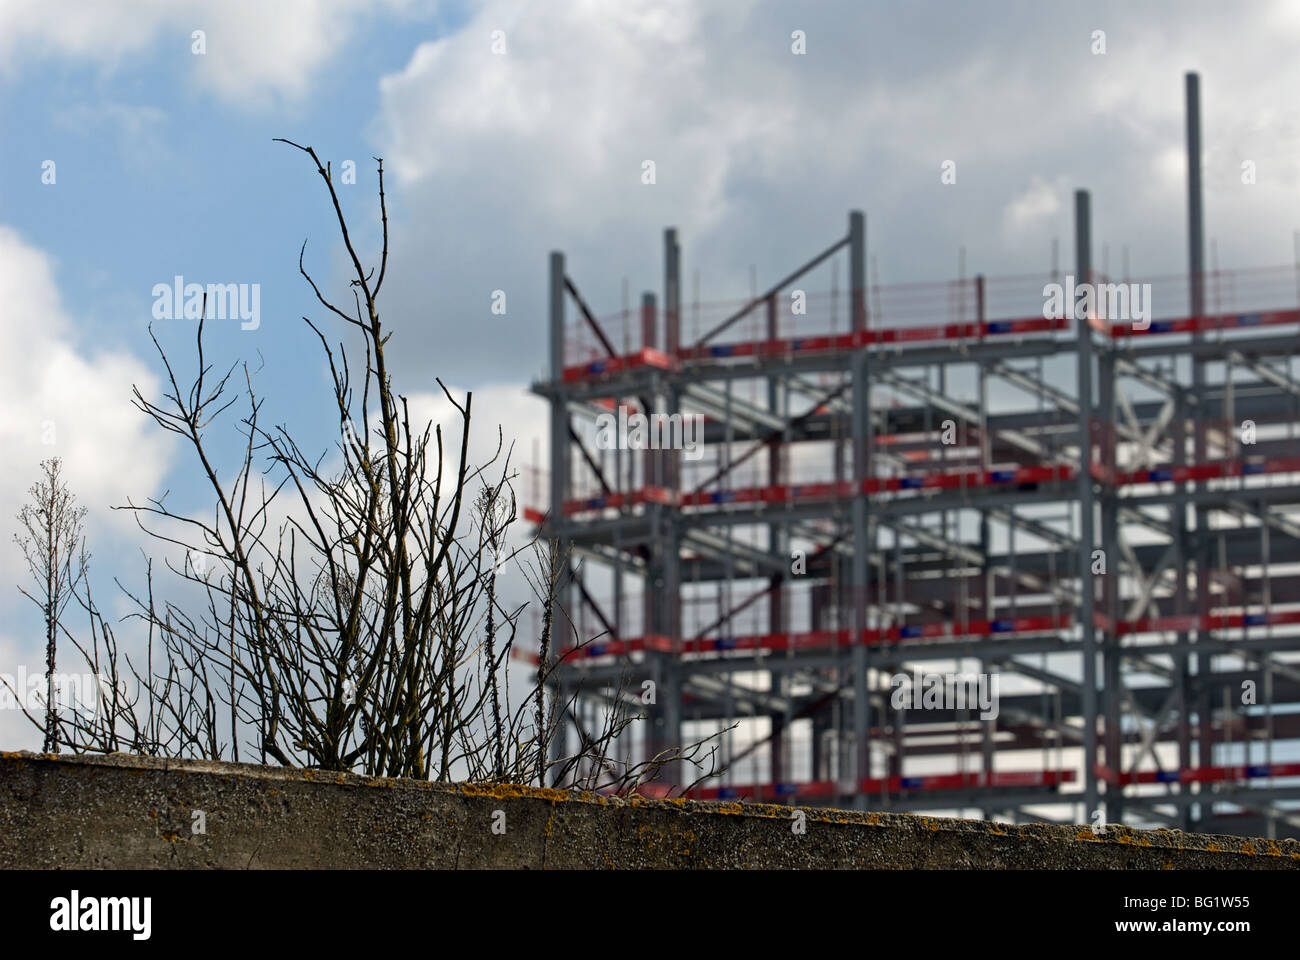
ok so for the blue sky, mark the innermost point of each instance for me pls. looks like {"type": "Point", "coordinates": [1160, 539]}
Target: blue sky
{"type": "Point", "coordinates": [158, 174]}
{"type": "Point", "coordinates": [165, 166]}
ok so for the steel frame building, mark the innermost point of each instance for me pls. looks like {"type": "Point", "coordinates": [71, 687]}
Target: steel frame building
{"type": "Point", "coordinates": [1100, 513]}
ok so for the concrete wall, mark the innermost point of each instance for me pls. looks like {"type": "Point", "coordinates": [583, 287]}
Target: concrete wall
{"type": "Point", "coordinates": [132, 812]}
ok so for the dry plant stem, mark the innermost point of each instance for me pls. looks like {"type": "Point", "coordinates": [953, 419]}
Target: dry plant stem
{"type": "Point", "coordinates": [350, 611]}
{"type": "Point", "coordinates": [54, 549]}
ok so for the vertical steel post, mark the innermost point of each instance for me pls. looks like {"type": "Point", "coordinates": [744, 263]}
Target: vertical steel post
{"type": "Point", "coordinates": [776, 547]}
{"type": "Point", "coordinates": [671, 529]}
{"type": "Point", "coordinates": [988, 729]}
{"type": "Point", "coordinates": [649, 331]}
{"type": "Point", "coordinates": [861, 454]}
{"type": "Point", "coordinates": [559, 413]}
{"type": "Point", "coordinates": [559, 457]}
{"type": "Point", "coordinates": [857, 270]}
{"type": "Point", "coordinates": [672, 292]}
{"type": "Point", "coordinates": [1196, 296]}
{"type": "Point", "coordinates": [1112, 681]}
{"type": "Point", "coordinates": [1182, 673]}
{"type": "Point", "coordinates": [1083, 271]}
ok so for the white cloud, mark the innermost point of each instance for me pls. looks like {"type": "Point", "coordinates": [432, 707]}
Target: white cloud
{"type": "Point", "coordinates": [521, 417]}
{"type": "Point", "coordinates": [1040, 201]}
{"type": "Point", "coordinates": [498, 159]}
{"type": "Point", "coordinates": [253, 49]}
{"type": "Point", "coordinates": [53, 388]}
{"type": "Point", "coordinates": [581, 96]}
{"type": "Point", "coordinates": [16, 731]}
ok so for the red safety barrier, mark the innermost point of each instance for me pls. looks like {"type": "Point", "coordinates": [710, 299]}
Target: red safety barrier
{"type": "Point", "coordinates": [1223, 321]}
{"type": "Point", "coordinates": [1216, 774]}
{"type": "Point", "coordinates": [607, 366]}
{"type": "Point", "coordinates": [806, 492]}
{"type": "Point", "coordinates": [956, 480]}
{"type": "Point", "coordinates": [776, 347]}
{"type": "Point", "coordinates": [914, 633]}
{"type": "Point", "coordinates": [832, 788]}
{"type": "Point", "coordinates": [994, 780]}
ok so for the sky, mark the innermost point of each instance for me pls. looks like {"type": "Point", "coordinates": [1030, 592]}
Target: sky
{"type": "Point", "coordinates": [136, 150]}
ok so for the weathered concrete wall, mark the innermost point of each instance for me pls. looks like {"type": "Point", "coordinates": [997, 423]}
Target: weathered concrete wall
{"type": "Point", "coordinates": [133, 812]}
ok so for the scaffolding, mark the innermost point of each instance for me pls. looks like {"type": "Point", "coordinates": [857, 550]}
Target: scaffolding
{"type": "Point", "coordinates": [1094, 505]}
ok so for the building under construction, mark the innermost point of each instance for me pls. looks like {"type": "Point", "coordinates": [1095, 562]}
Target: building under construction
{"type": "Point", "coordinates": [1094, 504]}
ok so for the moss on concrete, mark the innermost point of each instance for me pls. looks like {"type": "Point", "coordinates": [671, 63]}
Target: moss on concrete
{"type": "Point", "coordinates": [127, 812]}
